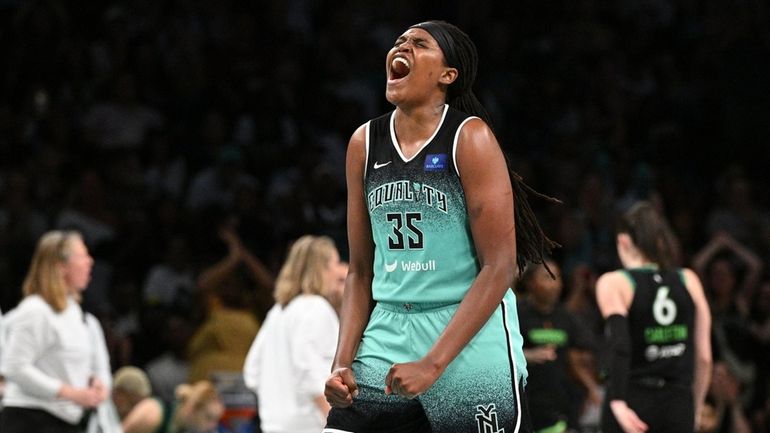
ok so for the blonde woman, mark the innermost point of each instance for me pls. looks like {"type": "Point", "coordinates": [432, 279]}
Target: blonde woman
{"type": "Point", "coordinates": [290, 359]}
{"type": "Point", "coordinates": [51, 362]}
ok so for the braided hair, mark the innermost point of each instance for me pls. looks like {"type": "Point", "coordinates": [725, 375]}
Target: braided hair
{"type": "Point", "coordinates": [532, 244]}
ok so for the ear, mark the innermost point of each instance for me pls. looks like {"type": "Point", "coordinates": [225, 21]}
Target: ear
{"type": "Point", "coordinates": [448, 76]}
{"type": "Point", "coordinates": [624, 241]}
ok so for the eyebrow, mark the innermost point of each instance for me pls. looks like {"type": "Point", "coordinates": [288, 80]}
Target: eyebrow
{"type": "Point", "coordinates": [416, 39]}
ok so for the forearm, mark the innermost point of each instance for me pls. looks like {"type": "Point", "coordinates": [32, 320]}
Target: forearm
{"type": "Point", "coordinates": [704, 256]}
{"type": "Point", "coordinates": [474, 311]}
{"type": "Point", "coordinates": [322, 405]}
{"type": "Point", "coordinates": [581, 370]}
{"type": "Point", "coordinates": [701, 378]}
{"type": "Point", "coordinates": [357, 305]}
{"type": "Point", "coordinates": [258, 270]}
{"type": "Point", "coordinates": [740, 424]}
{"type": "Point", "coordinates": [215, 274]}
{"type": "Point", "coordinates": [620, 356]}
{"type": "Point", "coordinates": [34, 382]}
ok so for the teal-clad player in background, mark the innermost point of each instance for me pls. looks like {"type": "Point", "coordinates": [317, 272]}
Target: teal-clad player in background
{"type": "Point", "coordinates": [429, 337]}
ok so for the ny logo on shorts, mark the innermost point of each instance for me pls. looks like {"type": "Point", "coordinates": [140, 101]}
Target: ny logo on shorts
{"type": "Point", "coordinates": [486, 417]}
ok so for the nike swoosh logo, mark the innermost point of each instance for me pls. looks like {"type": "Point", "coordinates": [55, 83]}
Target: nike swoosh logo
{"type": "Point", "coordinates": [378, 165]}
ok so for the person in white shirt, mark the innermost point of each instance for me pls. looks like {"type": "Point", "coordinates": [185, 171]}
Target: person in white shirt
{"type": "Point", "coordinates": [290, 358]}
{"type": "Point", "coordinates": [53, 369]}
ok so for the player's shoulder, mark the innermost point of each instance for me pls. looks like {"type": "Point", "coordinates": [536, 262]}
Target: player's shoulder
{"type": "Point", "coordinates": [613, 280]}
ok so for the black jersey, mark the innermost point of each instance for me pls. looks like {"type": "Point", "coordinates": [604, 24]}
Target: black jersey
{"type": "Point", "coordinates": [661, 323]}
{"type": "Point", "coordinates": [549, 387]}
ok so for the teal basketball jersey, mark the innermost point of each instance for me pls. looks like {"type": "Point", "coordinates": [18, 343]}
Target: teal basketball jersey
{"type": "Point", "coordinates": [424, 248]}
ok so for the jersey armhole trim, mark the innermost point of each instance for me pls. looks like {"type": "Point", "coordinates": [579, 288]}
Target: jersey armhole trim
{"type": "Point", "coordinates": [456, 139]}
{"type": "Point", "coordinates": [631, 280]}
{"type": "Point", "coordinates": [682, 277]}
{"type": "Point", "coordinates": [366, 147]}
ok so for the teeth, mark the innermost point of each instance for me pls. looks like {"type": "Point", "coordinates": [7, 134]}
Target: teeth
{"type": "Point", "coordinates": [401, 61]}
{"type": "Point", "coordinates": [400, 67]}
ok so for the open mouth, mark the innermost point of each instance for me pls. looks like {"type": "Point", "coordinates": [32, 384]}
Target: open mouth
{"type": "Point", "coordinates": [399, 68]}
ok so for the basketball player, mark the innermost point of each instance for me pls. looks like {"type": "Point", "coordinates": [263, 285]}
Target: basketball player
{"type": "Point", "coordinates": [658, 327]}
{"type": "Point", "coordinates": [429, 337]}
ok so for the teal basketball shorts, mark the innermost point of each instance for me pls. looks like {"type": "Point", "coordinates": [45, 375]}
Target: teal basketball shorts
{"type": "Point", "coordinates": [480, 391]}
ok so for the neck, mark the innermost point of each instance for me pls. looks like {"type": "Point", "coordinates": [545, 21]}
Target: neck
{"type": "Point", "coordinates": [420, 114]}
{"type": "Point", "coordinates": [637, 262]}
{"type": "Point", "coordinates": [415, 126]}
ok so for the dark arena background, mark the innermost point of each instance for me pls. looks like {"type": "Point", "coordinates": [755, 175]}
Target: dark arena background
{"type": "Point", "coordinates": [153, 127]}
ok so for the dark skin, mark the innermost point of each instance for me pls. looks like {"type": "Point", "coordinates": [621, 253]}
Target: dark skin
{"type": "Point", "coordinates": [419, 99]}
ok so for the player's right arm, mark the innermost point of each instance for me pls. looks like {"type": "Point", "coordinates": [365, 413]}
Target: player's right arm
{"type": "Point", "coordinates": [357, 300]}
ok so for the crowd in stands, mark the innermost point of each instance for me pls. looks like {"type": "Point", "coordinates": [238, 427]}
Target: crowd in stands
{"type": "Point", "coordinates": [191, 141]}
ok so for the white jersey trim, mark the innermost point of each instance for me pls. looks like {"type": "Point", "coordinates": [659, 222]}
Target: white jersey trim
{"type": "Point", "coordinates": [394, 139]}
{"type": "Point", "coordinates": [366, 146]}
{"type": "Point", "coordinates": [454, 143]}
{"type": "Point", "coordinates": [506, 316]}
{"type": "Point", "coordinates": [334, 430]}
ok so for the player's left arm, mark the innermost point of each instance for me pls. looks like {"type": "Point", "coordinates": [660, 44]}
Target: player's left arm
{"type": "Point", "coordinates": [702, 339]}
{"type": "Point", "coordinates": [489, 199]}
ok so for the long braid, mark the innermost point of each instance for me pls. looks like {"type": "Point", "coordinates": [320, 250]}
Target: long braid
{"type": "Point", "coordinates": [532, 244]}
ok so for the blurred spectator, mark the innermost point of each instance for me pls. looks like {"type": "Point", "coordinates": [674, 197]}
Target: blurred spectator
{"type": "Point", "coordinates": [729, 296]}
{"type": "Point", "coordinates": [138, 410]}
{"type": "Point", "coordinates": [121, 122]}
{"type": "Point", "coordinates": [90, 213]}
{"type": "Point", "coordinates": [222, 341]}
{"type": "Point", "coordinates": [216, 184]}
{"type": "Point", "coordinates": [735, 213]}
{"type": "Point", "coordinates": [335, 294]}
{"type": "Point", "coordinates": [235, 269]}
{"type": "Point", "coordinates": [165, 170]}
{"type": "Point", "coordinates": [51, 357]}
{"type": "Point", "coordinates": [171, 368]}
{"type": "Point", "coordinates": [291, 357]}
{"type": "Point", "coordinates": [760, 329]}
{"type": "Point", "coordinates": [21, 223]}
{"type": "Point", "coordinates": [723, 412]}
{"type": "Point", "coordinates": [718, 260]}
{"type": "Point", "coordinates": [197, 409]}
{"type": "Point", "coordinates": [171, 283]}
{"type": "Point", "coordinates": [559, 385]}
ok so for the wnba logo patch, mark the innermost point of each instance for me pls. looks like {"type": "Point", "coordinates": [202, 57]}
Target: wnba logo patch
{"type": "Point", "coordinates": [435, 162]}
{"type": "Point", "coordinates": [486, 419]}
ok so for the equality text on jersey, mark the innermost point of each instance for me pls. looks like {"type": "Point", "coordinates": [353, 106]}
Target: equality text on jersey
{"type": "Point", "coordinates": [406, 190]}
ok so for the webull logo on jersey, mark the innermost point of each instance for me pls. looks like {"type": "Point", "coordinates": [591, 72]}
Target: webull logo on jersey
{"type": "Point", "coordinates": [655, 352]}
{"type": "Point", "coordinates": [406, 190]}
{"type": "Point", "coordinates": [411, 266]}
